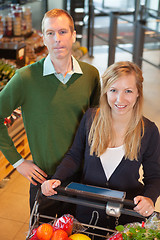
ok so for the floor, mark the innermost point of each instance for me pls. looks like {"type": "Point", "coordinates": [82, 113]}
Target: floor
{"type": "Point", "coordinates": [14, 196]}
{"type": "Point", "coordinates": [14, 210]}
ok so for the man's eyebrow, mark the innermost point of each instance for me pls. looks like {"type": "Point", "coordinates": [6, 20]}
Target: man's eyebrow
{"type": "Point", "coordinates": [48, 30]}
{"type": "Point", "coordinates": [61, 29]}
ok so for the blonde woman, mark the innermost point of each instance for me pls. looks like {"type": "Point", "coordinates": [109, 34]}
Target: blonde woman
{"type": "Point", "coordinates": [114, 140]}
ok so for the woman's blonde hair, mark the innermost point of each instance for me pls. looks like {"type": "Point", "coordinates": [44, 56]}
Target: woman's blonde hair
{"type": "Point", "coordinates": [56, 12]}
{"type": "Point", "coordinates": [101, 132]}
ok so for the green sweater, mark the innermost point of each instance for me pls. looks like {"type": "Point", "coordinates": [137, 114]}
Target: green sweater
{"type": "Point", "coordinates": [51, 111]}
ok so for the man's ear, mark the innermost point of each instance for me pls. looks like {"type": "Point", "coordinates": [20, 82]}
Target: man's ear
{"type": "Point", "coordinates": [74, 36]}
{"type": "Point", "coordinates": [43, 40]}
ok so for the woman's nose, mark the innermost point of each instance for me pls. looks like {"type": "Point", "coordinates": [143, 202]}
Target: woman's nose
{"type": "Point", "coordinates": [120, 97]}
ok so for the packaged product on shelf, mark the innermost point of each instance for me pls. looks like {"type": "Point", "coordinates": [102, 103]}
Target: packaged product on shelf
{"type": "Point", "coordinates": [1, 27]}
{"type": "Point", "coordinates": [8, 25]}
{"type": "Point", "coordinates": [27, 16]}
{"type": "Point", "coordinates": [17, 19]}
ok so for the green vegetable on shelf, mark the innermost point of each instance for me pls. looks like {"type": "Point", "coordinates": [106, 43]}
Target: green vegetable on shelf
{"type": "Point", "coordinates": [11, 73]}
{"type": "Point", "coordinates": [2, 65]}
{"type": "Point", "coordinates": [7, 71]}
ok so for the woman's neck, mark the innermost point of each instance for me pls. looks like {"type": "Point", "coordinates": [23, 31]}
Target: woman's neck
{"type": "Point", "coordinates": [119, 129]}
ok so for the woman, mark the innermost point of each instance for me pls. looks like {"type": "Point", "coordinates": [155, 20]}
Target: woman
{"type": "Point", "coordinates": [114, 140]}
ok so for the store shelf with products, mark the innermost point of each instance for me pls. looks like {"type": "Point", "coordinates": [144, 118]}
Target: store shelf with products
{"type": "Point", "coordinates": [18, 37]}
{"type": "Point", "coordinates": [34, 48]}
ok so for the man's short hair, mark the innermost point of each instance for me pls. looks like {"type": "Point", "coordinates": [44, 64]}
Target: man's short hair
{"type": "Point", "coordinates": [56, 13]}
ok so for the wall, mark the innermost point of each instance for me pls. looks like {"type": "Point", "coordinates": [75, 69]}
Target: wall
{"type": "Point", "coordinates": [55, 4]}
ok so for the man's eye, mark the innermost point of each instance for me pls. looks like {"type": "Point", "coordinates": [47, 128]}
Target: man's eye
{"type": "Point", "coordinates": [63, 32]}
{"type": "Point", "coordinates": [50, 33]}
{"type": "Point", "coordinates": [128, 91]}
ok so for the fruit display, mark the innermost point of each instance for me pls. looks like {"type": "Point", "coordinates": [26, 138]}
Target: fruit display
{"type": "Point", "coordinates": [60, 229]}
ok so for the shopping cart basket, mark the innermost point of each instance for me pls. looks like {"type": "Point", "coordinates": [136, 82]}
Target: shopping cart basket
{"type": "Point", "coordinates": [111, 201]}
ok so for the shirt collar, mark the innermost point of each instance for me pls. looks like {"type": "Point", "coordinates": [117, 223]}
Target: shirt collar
{"type": "Point", "coordinates": [48, 67]}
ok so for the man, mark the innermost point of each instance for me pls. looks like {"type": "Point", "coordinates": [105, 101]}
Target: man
{"type": "Point", "coordinates": [53, 94]}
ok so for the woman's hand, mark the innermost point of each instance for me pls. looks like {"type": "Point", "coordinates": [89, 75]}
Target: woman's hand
{"type": "Point", "coordinates": [145, 206]}
{"type": "Point", "coordinates": [48, 186]}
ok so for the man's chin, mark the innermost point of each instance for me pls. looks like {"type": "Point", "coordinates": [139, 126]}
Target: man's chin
{"type": "Point", "coordinates": [61, 55]}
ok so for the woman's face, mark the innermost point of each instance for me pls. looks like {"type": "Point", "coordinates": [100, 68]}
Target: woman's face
{"type": "Point", "coordinates": [122, 95]}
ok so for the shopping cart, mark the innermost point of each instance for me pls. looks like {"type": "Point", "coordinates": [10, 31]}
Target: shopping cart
{"type": "Point", "coordinates": [111, 201]}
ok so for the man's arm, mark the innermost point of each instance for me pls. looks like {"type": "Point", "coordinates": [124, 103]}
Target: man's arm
{"type": "Point", "coordinates": [11, 97]}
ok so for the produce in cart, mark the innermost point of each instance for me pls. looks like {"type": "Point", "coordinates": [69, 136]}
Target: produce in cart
{"type": "Point", "coordinates": [59, 234]}
{"type": "Point", "coordinates": [65, 222]}
{"type": "Point", "coordinates": [44, 231]}
{"type": "Point", "coordinates": [63, 228]}
{"type": "Point", "coordinates": [33, 234]}
{"type": "Point", "coordinates": [138, 231]}
{"type": "Point", "coordinates": [79, 236]}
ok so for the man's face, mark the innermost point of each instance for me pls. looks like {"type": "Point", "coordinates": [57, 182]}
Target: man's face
{"type": "Point", "coordinates": [58, 38]}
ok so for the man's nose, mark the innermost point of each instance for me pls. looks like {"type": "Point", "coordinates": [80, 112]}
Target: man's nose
{"type": "Point", "coordinates": [57, 37]}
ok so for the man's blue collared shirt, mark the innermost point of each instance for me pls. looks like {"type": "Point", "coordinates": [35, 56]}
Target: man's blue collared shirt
{"type": "Point", "coordinates": [48, 69]}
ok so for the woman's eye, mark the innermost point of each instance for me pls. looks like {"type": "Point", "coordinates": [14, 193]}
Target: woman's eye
{"type": "Point", "coordinates": [112, 90]}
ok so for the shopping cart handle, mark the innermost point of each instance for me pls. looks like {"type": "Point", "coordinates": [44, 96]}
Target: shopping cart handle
{"type": "Point", "coordinates": [95, 193]}
{"type": "Point", "coordinates": [79, 196]}
{"type": "Point", "coordinates": [79, 199]}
